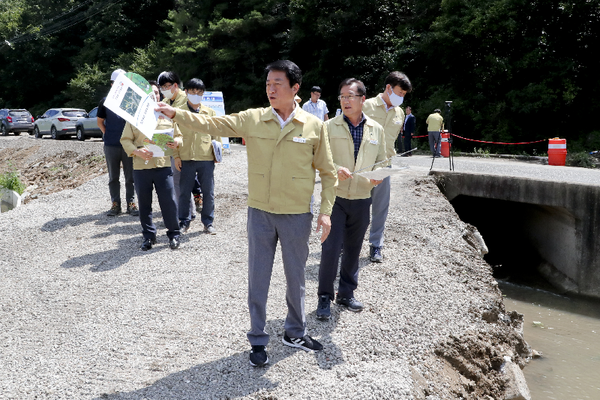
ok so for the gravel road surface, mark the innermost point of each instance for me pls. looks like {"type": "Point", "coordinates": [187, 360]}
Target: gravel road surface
{"type": "Point", "coordinates": [84, 314]}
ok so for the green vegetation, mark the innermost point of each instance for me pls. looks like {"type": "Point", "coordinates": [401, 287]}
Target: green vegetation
{"type": "Point", "coordinates": [481, 152]}
{"type": "Point", "coordinates": [11, 181]}
{"type": "Point", "coordinates": [516, 71]}
{"type": "Point", "coordinates": [580, 159]}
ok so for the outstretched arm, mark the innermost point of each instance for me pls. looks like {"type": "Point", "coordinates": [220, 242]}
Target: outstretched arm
{"type": "Point", "coordinates": [165, 109]}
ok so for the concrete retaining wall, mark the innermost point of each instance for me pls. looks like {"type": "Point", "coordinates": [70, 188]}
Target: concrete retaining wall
{"type": "Point", "coordinates": [563, 228]}
{"type": "Point", "coordinates": [9, 199]}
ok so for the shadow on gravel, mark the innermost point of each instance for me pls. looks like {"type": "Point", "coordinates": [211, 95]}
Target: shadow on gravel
{"type": "Point", "coordinates": [99, 219]}
{"type": "Point", "coordinates": [233, 377]}
{"type": "Point", "coordinates": [123, 225]}
{"type": "Point", "coordinates": [110, 259]}
{"type": "Point", "coordinates": [226, 378]}
{"type": "Point", "coordinates": [331, 355]}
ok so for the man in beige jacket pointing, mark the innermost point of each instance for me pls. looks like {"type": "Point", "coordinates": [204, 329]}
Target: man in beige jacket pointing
{"type": "Point", "coordinates": [285, 145]}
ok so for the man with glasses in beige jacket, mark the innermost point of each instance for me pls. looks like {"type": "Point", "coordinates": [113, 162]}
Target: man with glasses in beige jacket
{"type": "Point", "coordinates": [357, 142]}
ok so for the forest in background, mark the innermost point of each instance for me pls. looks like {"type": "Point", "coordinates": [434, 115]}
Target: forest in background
{"type": "Point", "coordinates": [515, 70]}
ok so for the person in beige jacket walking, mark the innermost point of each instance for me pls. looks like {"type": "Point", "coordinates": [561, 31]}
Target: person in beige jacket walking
{"type": "Point", "coordinates": [385, 109]}
{"type": "Point", "coordinates": [153, 172]}
{"type": "Point", "coordinates": [196, 161]}
{"type": "Point", "coordinates": [357, 142]}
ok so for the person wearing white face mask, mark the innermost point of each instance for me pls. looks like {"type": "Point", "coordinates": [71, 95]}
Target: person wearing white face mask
{"type": "Point", "coordinates": [195, 159]}
{"type": "Point", "coordinates": [384, 108]}
{"type": "Point", "coordinates": [168, 83]}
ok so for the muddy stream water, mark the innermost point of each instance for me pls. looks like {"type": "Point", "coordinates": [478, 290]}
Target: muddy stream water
{"type": "Point", "coordinates": [567, 333]}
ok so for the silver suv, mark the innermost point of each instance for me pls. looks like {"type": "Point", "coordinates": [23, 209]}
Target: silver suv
{"type": "Point", "coordinates": [88, 126]}
{"type": "Point", "coordinates": [15, 121]}
{"type": "Point", "coordinates": [58, 122]}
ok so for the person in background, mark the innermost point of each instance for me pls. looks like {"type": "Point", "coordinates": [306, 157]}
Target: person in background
{"type": "Point", "coordinates": [112, 126]}
{"type": "Point", "coordinates": [285, 146]}
{"type": "Point", "coordinates": [153, 172]}
{"type": "Point", "coordinates": [435, 124]}
{"type": "Point", "coordinates": [196, 161]}
{"type": "Point", "coordinates": [409, 130]}
{"type": "Point", "coordinates": [173, 95]}
{"type": "Point", "coordinates": [357, 142]}
{"type": "Point", "coordinates": [315, 105]}
{"type": "Point", "coordinates": [168, 83]}
{"type": "Point", "coordinates": [385, 109]}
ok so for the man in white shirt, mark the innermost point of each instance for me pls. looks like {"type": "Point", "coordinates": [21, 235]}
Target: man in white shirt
{"type": "Point", "coordinates": [315, 105]}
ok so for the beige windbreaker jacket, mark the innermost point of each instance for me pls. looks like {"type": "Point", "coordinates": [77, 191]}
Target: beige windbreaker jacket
{"type": "Point", "coordinates": [197, 145]}
{"type": "Point", "coordinates": [281, 162]}
{"type": "Point", "coordinates": [180, 100]}
{"type": "Point", "coordinates": [392, 120]}
{"type": "Point", "coordinates": [132, 139]}
{"type": "Point", "coordinates": [372, 150]}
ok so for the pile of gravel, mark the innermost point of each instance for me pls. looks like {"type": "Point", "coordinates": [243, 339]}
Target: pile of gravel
{"type": "Point", "coordinates": [86, 315]}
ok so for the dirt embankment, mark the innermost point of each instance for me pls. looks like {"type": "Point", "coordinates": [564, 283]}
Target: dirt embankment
{"type": "Point", "coordinates": [48, 166]}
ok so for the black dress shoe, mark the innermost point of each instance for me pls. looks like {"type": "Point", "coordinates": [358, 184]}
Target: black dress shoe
{"type": "Point", "coordinates": [174, 243]}
{"type": "Point", "coordinates": [147, 245]}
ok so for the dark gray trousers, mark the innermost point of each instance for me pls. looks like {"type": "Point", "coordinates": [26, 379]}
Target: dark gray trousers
{"type": "Point", "coordinates": [435, 143]}
{"type": "Point", "coordinates": [349, 222]}
{"type": "Point", "coordinates": [115, 156]}
{"type": "Point", "coordinates": [161, 180]}
{"type": "Point", "coordinates": [264, 230]}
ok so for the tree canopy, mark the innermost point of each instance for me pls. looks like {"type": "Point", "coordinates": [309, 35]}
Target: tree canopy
{"type": "Point", "coordinates": [514, 70]}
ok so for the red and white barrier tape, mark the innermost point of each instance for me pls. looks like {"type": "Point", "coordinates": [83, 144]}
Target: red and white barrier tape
{"type": "Point", "coordinates": [485, 141]}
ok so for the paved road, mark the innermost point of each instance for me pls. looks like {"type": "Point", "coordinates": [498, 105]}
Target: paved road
{"type": "Point", "coordinates": [505, 167]}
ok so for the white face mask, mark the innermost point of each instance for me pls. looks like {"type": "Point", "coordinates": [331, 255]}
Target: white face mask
{"type": "Point", "coordinates": [194, 98]}
{"type": "Point", "coordinates": [167, 93]}
{"type": "Point", "coordinates": [395, 99]}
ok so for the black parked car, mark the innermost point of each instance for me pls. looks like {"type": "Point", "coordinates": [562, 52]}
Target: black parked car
{"type": "Point", "coordinates": [88, 126]}
{"type": "Point", "coordinates": [15, 121]}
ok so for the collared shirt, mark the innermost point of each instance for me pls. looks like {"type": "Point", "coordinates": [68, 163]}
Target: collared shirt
{"type": "Point", "coordinates": [357, 133]}
{"type": "Point", "coordinates": [192, 109]}
{"type": "Point", "coordinates": [283, 123]}
{"type": "Point", "coordinates": [318, 109]}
